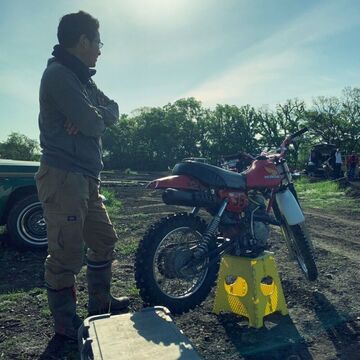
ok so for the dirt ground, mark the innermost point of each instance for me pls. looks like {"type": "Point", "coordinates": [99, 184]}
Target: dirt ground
{"type": "Point", "coordinates": [324, 316]}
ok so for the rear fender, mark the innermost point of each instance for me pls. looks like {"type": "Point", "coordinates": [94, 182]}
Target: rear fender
{"type": "Point", "coordinates": [176, 182]}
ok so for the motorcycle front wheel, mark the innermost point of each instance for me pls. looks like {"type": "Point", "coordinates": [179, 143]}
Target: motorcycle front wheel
{"type": "Point", "coordinates": [301, 248]}
{"type": "Point", "coordinates": [166, 272]}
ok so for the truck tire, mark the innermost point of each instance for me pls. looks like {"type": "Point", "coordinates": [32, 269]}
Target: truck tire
{"type": "Point", "coordinates": [26, 224]}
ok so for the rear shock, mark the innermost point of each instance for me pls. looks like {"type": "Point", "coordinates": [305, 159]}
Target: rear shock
{"type": "Point", "coordinates": [210, 232]}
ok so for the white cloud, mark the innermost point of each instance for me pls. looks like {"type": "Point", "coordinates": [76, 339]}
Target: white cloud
{"type": "Point", "coordinates": [152, 32]}
{"type": "Point", "coordinates": [278, 58]}
{"type": "Point", "coordinates": [239, 81]}
{"type": "Point", "coordinates": [142, 13]}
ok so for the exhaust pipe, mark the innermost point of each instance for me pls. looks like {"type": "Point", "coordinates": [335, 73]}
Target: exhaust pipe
{"type": "Point", "coordinates": [189, 198]}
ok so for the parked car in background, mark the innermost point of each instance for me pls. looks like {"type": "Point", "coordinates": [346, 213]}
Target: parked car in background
{"type": "Point", "coordinates": [319, 164]}
{"type": "Point", "coordinates": [20, 209]}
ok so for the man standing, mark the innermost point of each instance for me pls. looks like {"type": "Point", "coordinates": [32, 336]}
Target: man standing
{"type": "Point", "coordinates": [338, 164]}
{"type": "Point", "coordinates": [352, 162]}
{"type": "Point", "coordinates": [74, 114]}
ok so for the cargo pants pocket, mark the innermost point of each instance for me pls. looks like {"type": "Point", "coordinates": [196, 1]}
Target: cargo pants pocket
{"type": "Point", "coordinates": [66, 243]}
{"type": "Point", "coordinates": [49, 183]}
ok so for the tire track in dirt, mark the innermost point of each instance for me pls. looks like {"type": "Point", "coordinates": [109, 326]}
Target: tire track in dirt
{"type": "Point", "coordinates": [340, 250]}
{"type": "Point", "coordinates": [335, 234]}
{"type": "Point", "coordinates": [333, 218]}
{"type": "Point", "coordinates": [339, 239]}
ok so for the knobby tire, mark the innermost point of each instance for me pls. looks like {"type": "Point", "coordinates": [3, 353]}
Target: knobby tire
{"type": "Point", "coordinates": [144, 261]}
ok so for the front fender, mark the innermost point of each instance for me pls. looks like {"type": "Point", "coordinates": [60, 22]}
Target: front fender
{"type": "Point", "coordinates": [176, 182]}
{"type": "Point", "coordinates": [289, 207]}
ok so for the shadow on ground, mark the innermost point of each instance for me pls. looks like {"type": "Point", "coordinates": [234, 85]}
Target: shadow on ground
{"type": "Point", "coordinates": [279, 339]}
{"type": "Point", "coordinates": [59, 348]}
{"type": "Point", "coordinates": [342, 330]}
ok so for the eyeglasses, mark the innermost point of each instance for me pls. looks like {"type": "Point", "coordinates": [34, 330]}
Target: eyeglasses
{"type": "Point", "coordinates": [98, 43]}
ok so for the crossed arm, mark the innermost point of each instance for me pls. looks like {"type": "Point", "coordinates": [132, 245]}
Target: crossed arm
{"type": "Point", "coordinates": [82, 116]}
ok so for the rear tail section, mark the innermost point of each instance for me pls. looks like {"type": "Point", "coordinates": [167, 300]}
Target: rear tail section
{"type": "Point", "coordinates": [184, 190]}
{"type": "Point", "coordinates": [183, 182]}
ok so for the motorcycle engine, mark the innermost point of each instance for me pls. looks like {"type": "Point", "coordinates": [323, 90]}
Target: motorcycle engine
{"type": "Point", "coordinates": [250, 231]}
{"type": "Point", "coordinates": [257, 208]}
{"type": "Point", "coordinates": [260, 233]}
{"type": "Point", "coordinates": [254, 234]}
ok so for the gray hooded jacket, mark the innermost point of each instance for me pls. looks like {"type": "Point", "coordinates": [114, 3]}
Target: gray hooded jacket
{"type": "Point", "coordinates": [64, 97]}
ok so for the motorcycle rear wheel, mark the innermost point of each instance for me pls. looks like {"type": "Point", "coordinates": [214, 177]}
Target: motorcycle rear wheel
{"type": "Point", "coordinates": [161, 271]}
{"type": "Point", "coordinates": [301, 247]}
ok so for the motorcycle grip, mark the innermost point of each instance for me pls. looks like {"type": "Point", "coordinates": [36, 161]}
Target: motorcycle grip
{"type": "Point", "coordinates": [298, 133]}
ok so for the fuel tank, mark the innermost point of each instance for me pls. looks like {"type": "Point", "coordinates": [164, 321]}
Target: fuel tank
{"type": "Point", "coordinates": [262, 174]}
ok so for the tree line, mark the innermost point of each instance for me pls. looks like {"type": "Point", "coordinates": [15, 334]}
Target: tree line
{"type": "Point", "coordinates": [155, 138]}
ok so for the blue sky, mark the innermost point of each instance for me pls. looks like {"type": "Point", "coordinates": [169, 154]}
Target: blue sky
{"type": "Point", "coordinates": [258, 52]}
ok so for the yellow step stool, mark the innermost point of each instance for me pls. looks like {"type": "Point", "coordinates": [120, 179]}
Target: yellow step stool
{"type": "Point", "coordinates": [249, 287]}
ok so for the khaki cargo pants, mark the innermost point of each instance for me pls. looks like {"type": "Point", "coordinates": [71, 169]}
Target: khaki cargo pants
{"type": "Point", "coordinates": [75, 216]}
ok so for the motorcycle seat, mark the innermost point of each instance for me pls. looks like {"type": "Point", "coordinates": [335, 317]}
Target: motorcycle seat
{"type": "Point", "coordinates": [211, 175]}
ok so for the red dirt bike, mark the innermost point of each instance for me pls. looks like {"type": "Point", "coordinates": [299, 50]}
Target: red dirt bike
{"type": "Point", "coordinates": [177, 260]}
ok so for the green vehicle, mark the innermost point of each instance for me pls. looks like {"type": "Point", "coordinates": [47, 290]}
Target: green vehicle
{"type": "Point", "coordinates": [20, 209]}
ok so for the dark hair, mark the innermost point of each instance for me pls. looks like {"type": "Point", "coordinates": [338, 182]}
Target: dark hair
{"type": "Point", "coordinates": [72, 26]}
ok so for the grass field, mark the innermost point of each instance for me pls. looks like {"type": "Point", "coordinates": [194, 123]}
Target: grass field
{"type": "Point", "coordinates": [325, 195]}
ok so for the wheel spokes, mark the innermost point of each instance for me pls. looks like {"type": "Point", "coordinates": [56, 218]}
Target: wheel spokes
{"type": "Point", "coordinates": [172, 268]}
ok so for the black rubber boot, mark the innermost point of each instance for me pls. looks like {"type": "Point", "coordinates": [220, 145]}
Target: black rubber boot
{"type": "Point", "coordinates": [62, 304]}
{"type": "Point", "coordinates": [100, 299]}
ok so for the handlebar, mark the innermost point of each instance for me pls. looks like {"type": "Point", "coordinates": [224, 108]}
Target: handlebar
{"type": "Point", "coordinates": [282, 150]}
{"type": "Point", "coordinates": [238, 156]}
{"type": "Point", "coordinates": [284, 145]}
{"type": "Point", "coordinates": [298, 133]}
